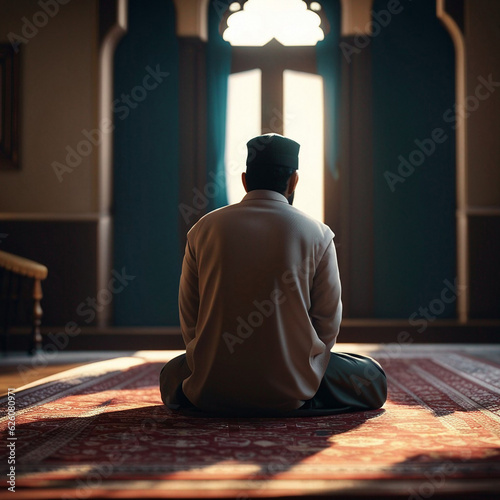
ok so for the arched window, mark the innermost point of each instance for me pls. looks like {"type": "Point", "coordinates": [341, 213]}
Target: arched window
{"type": "Point", "coordinates": [274, 86]}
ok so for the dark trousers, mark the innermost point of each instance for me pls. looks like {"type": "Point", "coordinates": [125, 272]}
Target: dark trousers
{"type": "Point", "coordinates": [351, 383]}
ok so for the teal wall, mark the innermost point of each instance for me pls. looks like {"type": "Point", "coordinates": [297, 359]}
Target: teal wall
{"type": "Point", "coordinates": [146, 164]}
{"type": "Point", "coordinates": [218, 62]}
{"type": "Point", "coordinates": [328, 62]}
{"type": "Point", "coordinates": [414, 224]}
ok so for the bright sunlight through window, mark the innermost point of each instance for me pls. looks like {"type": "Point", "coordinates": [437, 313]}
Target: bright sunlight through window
{"type": "Point", "coordinates": [289, 21]}
{"type": "Point", "coordinates": [243, 123]}
{"type": "Point", "coordinates": [303, 99]}
{"type": "Point", "coordinates": [304, 124]}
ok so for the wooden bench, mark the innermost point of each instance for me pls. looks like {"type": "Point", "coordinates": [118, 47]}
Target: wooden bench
{"type": "Point", "coordinates": [17, 275]}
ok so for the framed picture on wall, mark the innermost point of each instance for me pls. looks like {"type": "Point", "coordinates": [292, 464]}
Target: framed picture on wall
{"type": "Point", "coordinates": [9, 107]}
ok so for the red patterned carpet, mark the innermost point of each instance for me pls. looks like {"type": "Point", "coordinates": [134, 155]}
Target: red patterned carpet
{"type": "Point", "coordinates": [101, 430]}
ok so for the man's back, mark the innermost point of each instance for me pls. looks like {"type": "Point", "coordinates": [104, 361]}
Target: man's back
{"type": "Point", "coordinates": [259, 304]}
{"type": "Point", "coordinates": [260, 308]}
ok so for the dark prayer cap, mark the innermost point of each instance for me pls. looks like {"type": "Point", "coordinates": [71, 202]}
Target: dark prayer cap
{"type": "Point", "coordinates": [273, 150]}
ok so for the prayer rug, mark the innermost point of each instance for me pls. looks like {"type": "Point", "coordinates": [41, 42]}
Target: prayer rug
{"type": "Point", "coordinates": [100, 430]}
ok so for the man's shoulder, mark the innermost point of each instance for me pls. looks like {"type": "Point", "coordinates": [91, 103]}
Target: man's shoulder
{"type": "Point", "coordinates": [218, 212]}
{"type": "Point", "coordinates": [209, 218]}
{"type": "Point", "coordinates": [313, 224]}
{"type": "Point", "coordinates": [287, 215]}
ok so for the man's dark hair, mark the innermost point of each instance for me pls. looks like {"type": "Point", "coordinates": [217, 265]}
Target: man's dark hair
{"type": "Point", "coordinates": [271, 177]}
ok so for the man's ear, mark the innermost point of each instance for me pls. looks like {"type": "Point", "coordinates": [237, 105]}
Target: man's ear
{"type": "Point", "coordinates": [292, 183]}
{"type": "Point", "coordinates": [244, 180]}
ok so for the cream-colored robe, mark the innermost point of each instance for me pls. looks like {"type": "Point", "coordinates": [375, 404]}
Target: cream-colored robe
{"type": "Point", "coordinates": [260, 305]}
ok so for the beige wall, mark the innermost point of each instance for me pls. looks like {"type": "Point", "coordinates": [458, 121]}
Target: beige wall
{"type": "Point", "coordinates": [58, 100]}
{"type": "Point", "coordinates": [192, 18]}
{"type": "Point", "coordinates": [482, 33]}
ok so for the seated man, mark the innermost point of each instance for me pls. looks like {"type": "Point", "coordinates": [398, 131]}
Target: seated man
{"type": "Point", "coordinates": [260, 306]}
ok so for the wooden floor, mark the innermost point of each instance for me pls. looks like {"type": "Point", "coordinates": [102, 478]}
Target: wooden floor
{"type": "Point", "coordinates": [11, 378]}
{"type": "Point", "coordinates": [18, 370]}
